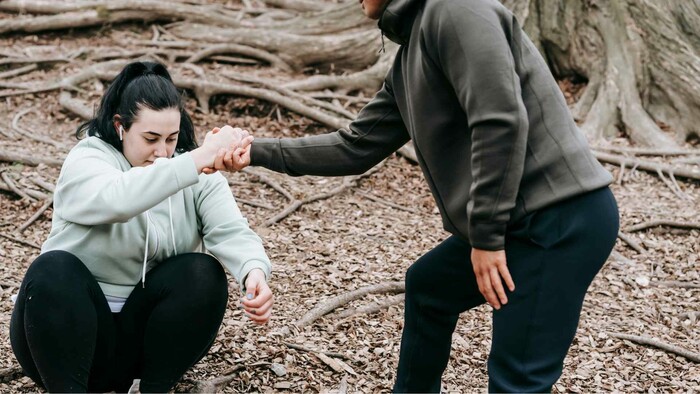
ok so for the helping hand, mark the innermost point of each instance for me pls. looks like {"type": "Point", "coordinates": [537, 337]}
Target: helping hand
{"type": "Point", "coordinates": [237, 156]}
{"type": "Point", "coordinates": [258, 300]}
{"type": "Point", "coordinates": [489, 267]}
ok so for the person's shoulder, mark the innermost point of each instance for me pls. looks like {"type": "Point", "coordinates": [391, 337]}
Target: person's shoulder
{"type": "Point", "coordinates": [463, 18]}
{"type": "Point", "coordinates": [96, 145]}
{"type": "Point", "coordinates": [462, 9]}
{"type": "Point", "coordinates": [92, 147]}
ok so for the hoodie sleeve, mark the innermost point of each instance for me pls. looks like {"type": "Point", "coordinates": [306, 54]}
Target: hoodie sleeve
{"type": "Point", "coordinates": [377, 132]}
{"type": "Point", "coordinates": [93, 190]}
{"type": "Point", "coordinates": [474, 49]}
{"type": "Point", "coordinates": [225, 231]}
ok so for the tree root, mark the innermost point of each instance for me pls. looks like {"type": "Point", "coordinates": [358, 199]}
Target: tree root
{"type": "Point", "coordinates": [666, 223]}
{"type": "Point", "coordinates": [692, 356]}
{"type": "Point", "coordinates": [309, 350]}
{"type": "Point", "coordinates": [11, 185]}
{"type": "Point", "coordinates": [678, 284]}
{"type": "Point", "coordinates": [385, 203]}
{"type": "Point", "coordinates": [85, 14]}
{"type": "Point", "coordinates": [648, 151]}
{"type": "Point", "coordinates": [340, 300]}
{"type": "Point", "coordinates": [34, 217]}
{"type": "Point", "coordinates": [18, 71]}
{"type": "Point", "coordinates": [32, 136]}
{"type": "Point", "coordinates": [650, 166]}
{"type": "Point", "coordinates": [632, 243]}
{"type": "Point", "coordinates": [295, 204]}
{"type": "Point", "coordinates": [275, 61]}
{"type": "Point", "coordinates": [369, 79]}
{"type": "Point", "coordinates": [369, 309]}
{"type": "Point", "coordinates": [211, 386]}
{"type": "Point", "coordinates": [292, 94]}
{"type": "Point", "coordinates": [20, 241]}
{"type": "Point", "coordinates": [12, 157]}
{"type": "Point", "coordinates": [75, 106]}
{"type": "Point", "coordinates": [43, 184]}
{"type": "Point", "coordinates": [37, 195]}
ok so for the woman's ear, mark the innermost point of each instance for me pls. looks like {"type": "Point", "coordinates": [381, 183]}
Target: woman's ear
{"type": "Point", "coordinates": [118, 127]}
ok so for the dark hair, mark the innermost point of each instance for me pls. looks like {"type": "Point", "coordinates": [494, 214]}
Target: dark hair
{"type": "Point", "coordinates": [139, 85]}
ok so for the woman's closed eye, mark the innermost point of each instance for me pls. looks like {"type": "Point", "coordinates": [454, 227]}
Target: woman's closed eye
{"type": "Point", "coordinates": [169, 140]}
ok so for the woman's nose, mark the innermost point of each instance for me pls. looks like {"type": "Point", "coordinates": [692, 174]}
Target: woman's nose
{"type": "Point", "coordinates": [161, 150]}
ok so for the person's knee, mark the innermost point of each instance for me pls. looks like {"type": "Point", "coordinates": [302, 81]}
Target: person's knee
{"type": "Point", "coordinates": [204, 276]}
{"type": "Point", "coordinates": [56, 271]}
{"type": "Point", "coordinates": [417, 276]}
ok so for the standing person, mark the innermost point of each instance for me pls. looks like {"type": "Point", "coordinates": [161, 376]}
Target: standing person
{"type": "Point", "coordinates": [528, 206]}
{"type": "Point", "coordinates": [120, 290]}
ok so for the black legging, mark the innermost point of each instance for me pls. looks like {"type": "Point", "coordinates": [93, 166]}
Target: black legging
{"type": "Point", "coordinates": [552, 254]}
{"type": "Point", "coordinates": [67, 340]}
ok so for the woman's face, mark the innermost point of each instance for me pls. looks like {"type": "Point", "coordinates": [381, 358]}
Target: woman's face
{"type": "Point", "coordinates": [153, 134]}
{"type": "Point", "coordinates": [373, 8]}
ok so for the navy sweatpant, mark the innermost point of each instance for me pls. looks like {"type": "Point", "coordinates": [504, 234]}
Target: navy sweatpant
{"type": "Point", "coordinates": [552, 254]}
{"type": "Point", "coordinates": [67, 340]}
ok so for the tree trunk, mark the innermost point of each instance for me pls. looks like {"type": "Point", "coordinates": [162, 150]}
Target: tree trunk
{"type": "Point", "coordinates": [641, 59]}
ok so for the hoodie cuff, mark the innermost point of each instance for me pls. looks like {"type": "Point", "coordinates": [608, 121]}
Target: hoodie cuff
{"type": "Point", "coordinates": [267, 152]}
{"type": "Point", "coordinates": [487, 236]}
{"type": "Point", "coordinates": [185, 170]}
{"type": "Point", "coordinates": [249, 266]}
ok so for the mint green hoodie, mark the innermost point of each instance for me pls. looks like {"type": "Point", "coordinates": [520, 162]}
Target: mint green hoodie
{"type": "Point", "coordinates": [120, 221]}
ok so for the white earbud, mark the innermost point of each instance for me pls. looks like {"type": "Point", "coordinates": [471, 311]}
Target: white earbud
{"type": "Point", "coordinates": [121, 132]}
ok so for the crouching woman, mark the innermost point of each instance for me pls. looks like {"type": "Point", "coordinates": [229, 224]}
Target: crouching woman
{"type": "Point", "coordinates": [122, 289]}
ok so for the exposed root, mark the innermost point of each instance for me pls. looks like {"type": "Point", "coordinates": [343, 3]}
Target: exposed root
{"type": "Point", "coordinates": [692, 356]}
{"type": "Point", "coordinates": [275, 61]}
{"type": "Point", "coordinates": [329, 305]}
{"type": "Point", "coordinates": [368, 309]}
{"type": "Point", "coordinates": [632, 243]}
{"type": "Point", "coordinates": [36, 216]}
{"type": "Point", "coordinates": [665, 223]}
{"type": "Point", "coordinates": [650, 166]}
{"type": "Point", "coordinates": [12, 157]}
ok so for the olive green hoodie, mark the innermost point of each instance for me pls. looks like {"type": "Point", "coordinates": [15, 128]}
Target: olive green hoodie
{"type": "Point", "coordinates": [492, 132]}
{"type": "Point", "coordinates": [121, 221]}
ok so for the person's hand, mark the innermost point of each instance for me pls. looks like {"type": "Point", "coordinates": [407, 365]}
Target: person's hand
{"type": "Point", "coordinates": [236, 160]}
{"type": "Point", "coordinates": [236, 157]}
{"type": "Point", "coordinates": [257, 302]}
{"type": "Point", "coordinates": [489, 267]}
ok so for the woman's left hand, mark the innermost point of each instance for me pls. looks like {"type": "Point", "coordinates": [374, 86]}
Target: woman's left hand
{"type": "Point", "coordinates": [257, 302]}
{"type": "Point", "coordinates": [489, 267]}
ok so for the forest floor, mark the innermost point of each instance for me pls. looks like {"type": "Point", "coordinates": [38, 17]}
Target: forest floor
{"type": "Point", "coordinates": [370, 233]}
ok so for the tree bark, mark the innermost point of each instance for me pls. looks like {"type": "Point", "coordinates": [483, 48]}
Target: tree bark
{"type": "Point", "coordinates": [641, 59]}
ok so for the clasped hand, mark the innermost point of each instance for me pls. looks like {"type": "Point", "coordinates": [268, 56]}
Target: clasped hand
{"type": "Point", "coordinates": [232, 146]}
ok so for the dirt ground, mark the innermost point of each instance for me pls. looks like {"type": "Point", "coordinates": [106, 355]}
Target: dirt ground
{"type": "Point", "coordinates": [368, 234]}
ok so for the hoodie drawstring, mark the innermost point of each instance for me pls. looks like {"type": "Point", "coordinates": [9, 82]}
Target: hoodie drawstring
{"type": "Point", "coordinates": [145, 252]}
{"type": "Point", "coordinates": [148, 231]}
{"type": "Point", "coordinates": [172, 229]}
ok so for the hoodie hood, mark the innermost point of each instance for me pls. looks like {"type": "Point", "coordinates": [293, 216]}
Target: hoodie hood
{"type": "Point", "coordinates": [397, 19]}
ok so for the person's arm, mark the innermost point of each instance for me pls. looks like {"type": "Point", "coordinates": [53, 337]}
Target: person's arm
{"type": "Point", "coordinates": [474, 49]}
{"type": "Point", "coordinates": [377, 132]}
{"type": "Point", "coordinates": [225, 231]}
{"type": "Point", "coordinates": [93, 190]}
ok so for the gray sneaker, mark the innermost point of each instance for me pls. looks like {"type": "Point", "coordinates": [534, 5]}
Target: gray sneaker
{"type": "Point", "coordinates": [134, 389]}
